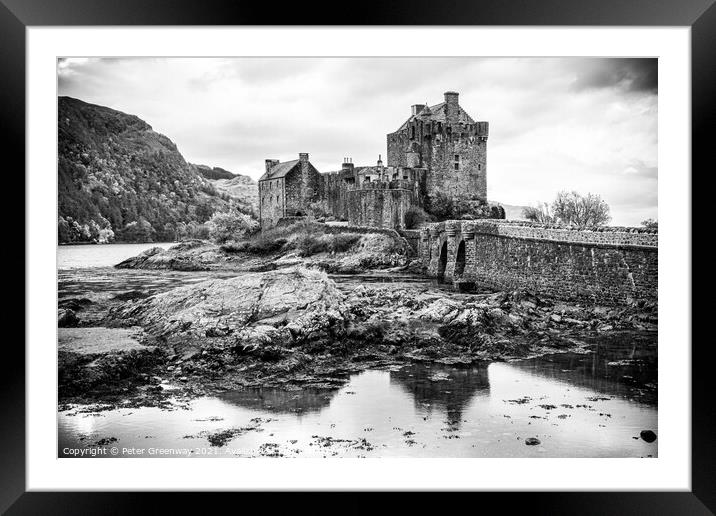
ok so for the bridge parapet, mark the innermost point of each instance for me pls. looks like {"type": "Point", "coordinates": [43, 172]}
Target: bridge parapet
{"type": "Point", "coordinates": [608, 265]}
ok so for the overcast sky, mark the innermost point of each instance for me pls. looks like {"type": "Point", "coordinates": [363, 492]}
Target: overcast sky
{"type": "Point", "coordinates": [578, 124]}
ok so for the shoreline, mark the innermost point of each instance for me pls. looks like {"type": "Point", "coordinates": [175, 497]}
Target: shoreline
{"type": "Point", "coordinates": [346, 327]}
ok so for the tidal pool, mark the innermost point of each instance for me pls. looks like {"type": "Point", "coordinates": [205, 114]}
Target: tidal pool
{"type": "Point", "coordinates": [573, 405]}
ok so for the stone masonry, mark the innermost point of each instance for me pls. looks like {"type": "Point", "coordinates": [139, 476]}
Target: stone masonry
{"type": "Point", "coordinates": [605, 266]}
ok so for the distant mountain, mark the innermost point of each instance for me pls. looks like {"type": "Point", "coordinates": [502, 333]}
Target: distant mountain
{"type": "Point", "coordinates": [513, 212]}
{"type": "Point", "coordinates": [214, 173]}
{"type": "Point", "coordinates": [241, 189]}
{"type": "Point", "coordinates": [118, 178]}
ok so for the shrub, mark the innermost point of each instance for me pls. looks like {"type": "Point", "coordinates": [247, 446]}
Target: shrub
{"type": "Point", "coordinates": [307, 244]}
{"type": "Point", "coordinates": [342, 242]}
{"type": "Point", "coordinates": [319, 210]}
{"type": "Point", "coordinates": [224, 226]}
{"type": "Point", "coordinates": [305, 238]}
{"type": "Point", "coordinates": [414, 217]}
{"type": "Point", "coordinates": [441, 206]}
{"type": "Point", "coordinates": [451, 207]}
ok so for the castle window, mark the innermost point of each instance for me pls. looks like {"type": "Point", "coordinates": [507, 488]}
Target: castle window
{"type": "Point", "coordinates": [457, 162]}
{"type": "Point", "coordinates": [412, 132]}
{"type": "Point", "coordinates": [277, 198]}
{"type": "Point", "coordinates": [479, 167]}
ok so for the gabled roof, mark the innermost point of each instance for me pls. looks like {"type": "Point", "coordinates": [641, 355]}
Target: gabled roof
{"type": "Point", "coordinates": [280, 170]}
{"type": "Point", "coordinates": [436, 113]}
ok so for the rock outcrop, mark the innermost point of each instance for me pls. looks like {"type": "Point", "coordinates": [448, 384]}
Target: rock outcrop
{"type": "Point", "coordinates": [295, 327]}
{"type": "Point", "coordinates": [282, 307]}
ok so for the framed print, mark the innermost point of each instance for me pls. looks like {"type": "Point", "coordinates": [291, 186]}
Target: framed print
{"type": "Point", "coordinates": [424, 251]}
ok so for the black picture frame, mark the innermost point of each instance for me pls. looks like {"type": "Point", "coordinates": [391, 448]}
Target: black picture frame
{"type": "Point", "coordinates": [700, 15]}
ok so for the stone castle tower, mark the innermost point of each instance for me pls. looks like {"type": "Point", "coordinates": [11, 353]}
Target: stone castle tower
{"type": "Point", "coordinates": [439, 150]}
{"type": "Point", "coordinates": [446, 142]}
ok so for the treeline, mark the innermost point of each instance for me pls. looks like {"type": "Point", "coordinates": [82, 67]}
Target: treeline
{"type": "Point", "coordinates": [214, 173]}
{"type": "Point", "coordinates": [118, 180]}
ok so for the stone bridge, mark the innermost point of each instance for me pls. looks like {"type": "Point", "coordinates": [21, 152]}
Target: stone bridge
{"type": "Point", "coordinates": [610, 265]}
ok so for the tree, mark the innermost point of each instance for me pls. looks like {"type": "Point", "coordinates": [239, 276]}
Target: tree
{"type": "Point", "coordinates": [138, 231]}
{"type": "Point", "coordinates": [105, 236]}
{"type": "Point", "coordinates": [571, 208]}
{"type": "Point", "coordinates": [540, 213]}
{"type": "Point", "coordinates": [650, 224]}
{"type": "Point", "coordinates": [580, 210]}
{"type": "Point", "coordinates": [64, 233]}
{"type": "Point", "coordinates": [230, 225]}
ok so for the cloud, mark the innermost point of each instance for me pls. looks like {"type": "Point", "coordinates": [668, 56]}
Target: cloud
{"type": "Point", "coordinates": [635, 75]}
{"type": "Point", "coordinates": [555, 123]}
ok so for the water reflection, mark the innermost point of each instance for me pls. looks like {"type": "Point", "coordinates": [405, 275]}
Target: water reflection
{"type": "Point", "coordinates": [441, 388]}
{"type": "Point", "coordinates": [280, 401]}
{"type": "Point", "coordinates": [575, 405]}
{"type": "Point", "coordinates": [620, 365]}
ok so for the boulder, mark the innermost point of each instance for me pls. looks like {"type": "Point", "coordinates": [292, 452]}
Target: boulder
{"type": "Point", "coordinates": [74, 304]}
{"type": "Point", "coordinates": [440, 310]}
{"type": "Point", "coordinates": [67, 318]}
{"type": "Point", "coordinates": [275, 307]}
{"type": "Point", "coordinates": [648, 435]}
{"type": "Point", "coordinates": [136, 262]}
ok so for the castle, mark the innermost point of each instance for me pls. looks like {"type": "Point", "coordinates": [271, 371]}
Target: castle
{"type": "Point", "coordinates": [438, 151]}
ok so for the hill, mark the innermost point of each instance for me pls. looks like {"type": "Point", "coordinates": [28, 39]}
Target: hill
{"type": "Point", "coordinates": [513, 212]}
{"type": "Point", "coordinates": [214, 173]}
{"type": "Point", "coordinates": [241, 189]}
{"type": "Point", "coordinates": [119, 179]}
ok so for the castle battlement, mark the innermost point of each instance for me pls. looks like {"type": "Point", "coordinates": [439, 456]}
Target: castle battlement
{"type": "Point", "coordinates": [396, 184]}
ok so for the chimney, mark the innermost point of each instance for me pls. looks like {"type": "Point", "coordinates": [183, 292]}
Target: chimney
{"type": "Point", "coordinates": [417, 108]}
{"type": "Point", "coordinates": [270, 163]}
{"type": "Point", "coordinates": [380, 161]}
{"type": "Point", "coordinates": [451, 106]}
{"type": "Point", "coordinates": [347, 164]}
{"type": "Point", "coordinates": [303, 157]}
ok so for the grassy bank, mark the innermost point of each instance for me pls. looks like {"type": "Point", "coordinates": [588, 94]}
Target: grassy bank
{"type": "Point", "coordinates": [310, 238]}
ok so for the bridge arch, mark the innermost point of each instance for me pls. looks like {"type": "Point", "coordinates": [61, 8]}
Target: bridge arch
{"type": "Point", "coordinates": [459, 260]}
{"type": "Point", "coordinates": [442, 261]}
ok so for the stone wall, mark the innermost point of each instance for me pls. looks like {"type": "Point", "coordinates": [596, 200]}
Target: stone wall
{"type": "Point", "coordinates": [334, 192]}
{"type": "Point", "coordinates": [471, 176]}
{"type": "Point", "coordinates": [412, 236]}
{"type": "Point", "coordinates": [436, 146]}
{"type": "Point", "coordinates": [302, 187]}
{"type": "Point", "coordinates": [271, 201]}
{"type": "Point", "coordinates": [609, 266]}
{"type": "Point", "coordinates": [380, 204]}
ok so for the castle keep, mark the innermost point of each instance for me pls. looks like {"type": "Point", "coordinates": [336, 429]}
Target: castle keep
{"type": "Point", "coordinates": [438, 151]}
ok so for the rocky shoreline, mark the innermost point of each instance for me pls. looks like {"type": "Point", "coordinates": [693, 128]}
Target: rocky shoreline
{"type": "Point", "coordinates": [282, 321]}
